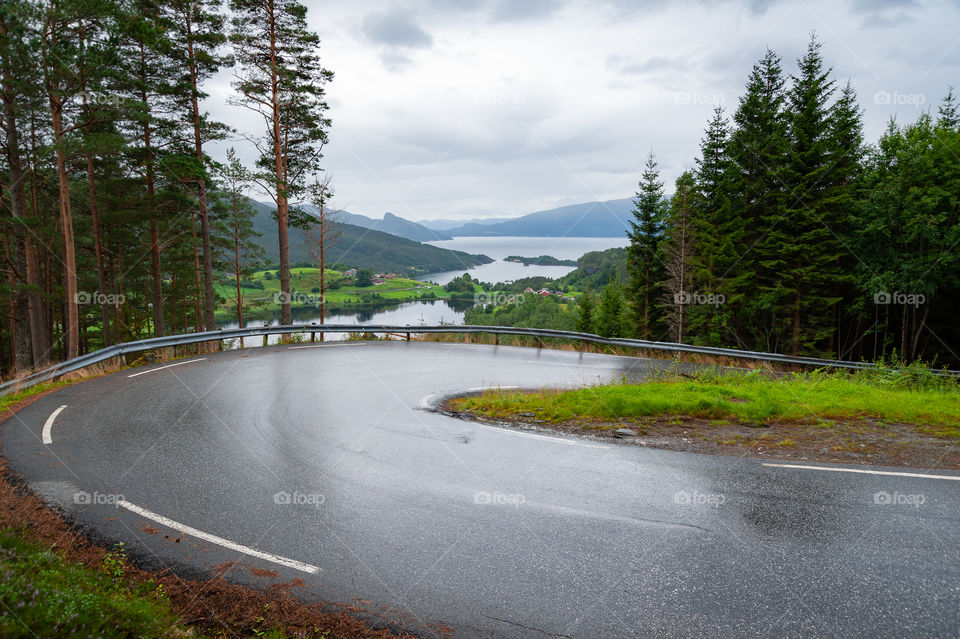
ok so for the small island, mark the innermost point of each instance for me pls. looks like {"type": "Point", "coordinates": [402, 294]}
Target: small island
{"type": "Point", "coordinates": [543, 260]}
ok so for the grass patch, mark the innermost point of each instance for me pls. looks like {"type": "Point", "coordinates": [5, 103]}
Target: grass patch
{"type": "Point", "coordinates": [45, 595]}
{"type": "Point", "coordinates": [10, 399]}
{"type": "Point", "coordinates": [907, 395]}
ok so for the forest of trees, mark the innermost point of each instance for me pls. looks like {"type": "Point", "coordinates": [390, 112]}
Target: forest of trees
{"type": "Point", "coordinates": [793, 235]}
{"type": "Point", "coordinates": [115, 219]}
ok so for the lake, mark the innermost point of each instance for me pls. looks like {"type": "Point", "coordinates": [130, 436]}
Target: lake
{"type": "Point", "coordinates": [441, 311]}
{"type": "Point", "coordinates": [562, 248]}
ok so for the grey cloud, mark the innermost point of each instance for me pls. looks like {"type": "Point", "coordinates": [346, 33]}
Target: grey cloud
{"type": "Point", "coordinates": [624, 65]}
{"type": "Point", "coordinates": [523, 10]}
{"type": "Point", "coordinates": [396, 28]}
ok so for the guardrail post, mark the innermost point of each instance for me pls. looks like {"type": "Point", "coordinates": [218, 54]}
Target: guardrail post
{"type": "Point", "coordinates": [311, 332]}
{"type": "Point", "coordinates": [266, 336]}
{"type": "Point", "coordinates": [539, 342]}
{"type": "Point", "coordinates": [408, 336]}
{"type": "Point", "coordinates": [496, 339]}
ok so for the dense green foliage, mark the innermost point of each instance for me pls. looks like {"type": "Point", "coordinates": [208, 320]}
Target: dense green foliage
{"type": "Point", "coordinates": [800, 239]}
{"type": "Point", "coordinates": [528, 311]}
{"type": "Point", "coordinates": [44, 595]}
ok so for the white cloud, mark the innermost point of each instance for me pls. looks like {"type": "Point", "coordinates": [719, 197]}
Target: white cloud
{"type": "Point", "coordinates": [463, 109]}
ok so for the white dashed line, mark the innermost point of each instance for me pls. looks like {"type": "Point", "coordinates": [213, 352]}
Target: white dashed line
{"type": "Point", "coordinates": [153, 370]}
{"type": "Point", "coordinates": [864, 471]}
{"type": "Point", "coordinates": [220, 541]}
{"type": "Point", "coordinates": [47, 436]}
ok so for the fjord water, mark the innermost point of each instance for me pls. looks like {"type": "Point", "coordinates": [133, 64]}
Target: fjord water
{"type": "Point", "coordinates": [562, 248]}
{"type": "Point", "coordinates": [432, 312]}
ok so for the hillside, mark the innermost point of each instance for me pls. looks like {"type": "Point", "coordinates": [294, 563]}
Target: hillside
{"type": "Point", "coordinates": [364, 248]}
{"type": "Point", "coordinates": [589, 219]}
{"type": "Point", "coordinates": [395, 225]}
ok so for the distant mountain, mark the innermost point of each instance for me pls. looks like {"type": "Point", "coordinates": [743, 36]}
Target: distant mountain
{"type": "Point", "coordinates": [446, 225]}
{"type": "Point", "coordinates": [363, 248]}
{"type": "Point", "coordinates": [590, 219]}
{"type": "Point", "coordinates": [395, 225]}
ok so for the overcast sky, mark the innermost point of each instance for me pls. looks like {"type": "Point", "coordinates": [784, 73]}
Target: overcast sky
{"type": "Point", "coordinates": [477, 108]}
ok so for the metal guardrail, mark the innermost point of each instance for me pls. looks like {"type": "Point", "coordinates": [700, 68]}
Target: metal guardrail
{"type": "Point", "coordinates": [168, 341]}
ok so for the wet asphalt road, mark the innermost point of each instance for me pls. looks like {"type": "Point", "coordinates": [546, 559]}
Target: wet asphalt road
{"type": "Point", "coordinates": [492, 532]}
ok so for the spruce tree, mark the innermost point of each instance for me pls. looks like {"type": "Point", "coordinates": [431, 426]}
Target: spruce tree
{"type": "Point", "coordinates": [948, 111]}
{"type": "Point", "coordinates": [758, 149]}
{"type": "Point", "coordinates": [644, 260]}
{"type": "Point", "coordinates": [718, 235]}
{"type": "Point", "coordinates": [586, 309]}
{"type": "Point", "coordinates": [611, 317]}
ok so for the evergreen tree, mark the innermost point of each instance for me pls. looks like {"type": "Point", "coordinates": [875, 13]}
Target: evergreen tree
{"type": "Point", "coordinates": [718, 235]}
{"type": "Point", "coordinates": [801, 251]}
{"type": "Point", "coordinates": [758, 149]}
{"type": "Point", "coordinates": [586, 306]}
{"type": "Point", "coordinates": [197, 35]}
{"type": "Point", "coordinates": [948, 111]}
{"type": "Point", "coordinates": [644, 260]}
{"type": "Point", "coordinates": [611, 317]}
{"type": "Point", "coordinates": [234, 214]}
{"type": "Point", "coordinates": [282, 80]}
{"type": "Point", "coordinates": [677, 247]}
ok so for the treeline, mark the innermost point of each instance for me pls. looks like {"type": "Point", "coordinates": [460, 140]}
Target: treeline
{"type": "Point", "coordinates": [792, 235]}
{"type": "Point", "coordinates": [114, 216]}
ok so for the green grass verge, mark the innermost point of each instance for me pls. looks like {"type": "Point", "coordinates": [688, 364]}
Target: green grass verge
{"type": "Point", "coordinates": [6, 401]}
{"type": "Point", "coordinates": [44, 595]}
{"type": "Point", "coordinates": [906, 396]}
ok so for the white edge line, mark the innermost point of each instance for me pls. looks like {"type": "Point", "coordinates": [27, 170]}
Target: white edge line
{"type": "Point", "coordinates": [47, 436]}
{"type": "Point", "coordinates": [220, 541]}
{"type": "Point", "coordinates": [425, 400]}
{"type": "Point", "coordinates": [864, 471]}
{"type": "Point", "coordinates": [191, 361]}
{"type": "Point", "coordinates": [556, 440]}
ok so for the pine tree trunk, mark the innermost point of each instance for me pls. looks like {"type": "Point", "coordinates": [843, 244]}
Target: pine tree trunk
{"type": "Point", "coordinates": [279, 168]}
{"type": "Point", "coordinates": [236, 271]}
{"type": "Point", "coordinates": [151, 204]}
{"type": "Point", "coordinates": [208, 295]}
{"type": "Point", "coordinates": [71, 312]}
{"type": "Point", "coordinates": [98, 249]}
{"type": "Point", "coordinates": [19, 299]}
{"type": "Point", "coordinates": [157, 276]}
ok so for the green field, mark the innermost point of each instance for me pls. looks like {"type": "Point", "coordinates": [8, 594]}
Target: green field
{"type": "Point", "coordinates": [887, 396]}
{"type": "Point", "coordinates": [303, 281]}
